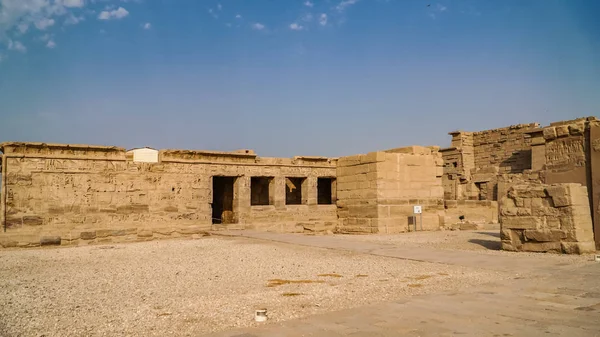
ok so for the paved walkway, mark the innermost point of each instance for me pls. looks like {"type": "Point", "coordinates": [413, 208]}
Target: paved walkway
{"type": "Point", "coordinates": [544, 298]}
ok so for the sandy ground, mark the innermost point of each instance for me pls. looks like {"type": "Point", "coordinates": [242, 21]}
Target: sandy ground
{"type": "Point", "coordinates": [185, 288]}
{"type": "Point", "coordinates": [485, 242]}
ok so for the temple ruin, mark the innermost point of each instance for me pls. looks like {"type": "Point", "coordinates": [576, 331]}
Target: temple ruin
{"type": "Point", "coordinates": [542, 184]}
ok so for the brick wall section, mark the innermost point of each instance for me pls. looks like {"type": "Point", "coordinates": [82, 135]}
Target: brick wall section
{"type": "Point", "coordinates": [87, 194]}
{"type": "Point", "coordinates": [538, 217]}
{"type": "Point", "coordinates": [377, 191]}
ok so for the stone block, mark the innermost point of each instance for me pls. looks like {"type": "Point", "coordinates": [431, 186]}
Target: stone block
{"type": "Point", "coordinates": [508, 246]}
{"type": "Point", "coordinates": [537, 203]}
{"type": "Point", "coordinates": [91, 235]}
{"type": "Point", "coordinates": [507, 202]}
{"type": "Point", "coordinates": [542, 247]}
{"type": "Point", "coordinates": [578, 247]}
{"type": "Point", "coordinates": [549, 133]}
{"type": "Point", "coordinates": [50, 241]}
{"type": "Point", "coordinates": [552, 222]}
{"type": "Point", "coordinates": [123, 232]}
{"type": "Point", "coordinates": [576, 129]}
{"type": "Point", "coordinates": [102, 233]}
{"type": "Point", "coordinates": [8, 243]}
{"type": "Point", "coordinates": [509, 211]}
{"type": "Point", "coordinates": [545, 235]}
{"type": "Point", "coordinates": [505, 234]}
{"type": "Point", "coordinates": [144, 233]}
{"type": "Point", "coordinates": [29, 220]}
{"type": "Point", "coordinates": [523, 211]}
{"type": "Point", "coordinates": [522, 222]}
{"type": "Point", "coordinates": [562, 131]}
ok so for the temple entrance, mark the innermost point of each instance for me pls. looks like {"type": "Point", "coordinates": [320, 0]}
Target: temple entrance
{"type": "Point", "coordinates": [222, 203]}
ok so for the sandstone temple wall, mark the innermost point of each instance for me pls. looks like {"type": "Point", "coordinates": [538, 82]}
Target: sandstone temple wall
{"type": "Point", "coordinates": [73, 193]}
{"type": "Point", "coordinates": [377, 191]}
{"type": "Point", "coordinates": [539, 217]}
{"type": "Point", "coordinates": [475, 159]}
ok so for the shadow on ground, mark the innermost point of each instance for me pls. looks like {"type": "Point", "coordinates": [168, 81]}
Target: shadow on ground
{"type": "Point", "coordinates": [494, 234]}
{"type": "Point", "coordinates": [489, 244]}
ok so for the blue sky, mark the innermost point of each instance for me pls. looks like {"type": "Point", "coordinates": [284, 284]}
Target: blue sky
{"type": "Point", "coordinates": [291, 77]}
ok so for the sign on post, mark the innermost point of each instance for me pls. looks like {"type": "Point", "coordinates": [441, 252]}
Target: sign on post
{"type": "Point", "coordinates": [418, 210]}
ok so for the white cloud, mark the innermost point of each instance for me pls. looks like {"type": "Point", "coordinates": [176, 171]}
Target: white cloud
{"type": "Point", "coordinates": [344, 4]}
{"type": "Point", "coordinates": [308, 4]}
{"type": "Point", "coordinates": [16, 46]}
{"type": "Point", "coordinates": [441, 8]}
{"type": "Point", "coordinates": [73, 20]}
{"type": "Point", "coordinates": [323, 19]}
{"type": "Point", "coordinates": [228, 25]}
{"type": "Point", "coordinates": [118, 13]}
{"type": "Point", "coordinates": [219, 7]}
{"type": "Point", "coordinates": [212, 13]}
{"type": "Point", "coordinates": [51, 44]}
{"type": "Point", "coordinates": [147, 25]}
{"type": "Point", "coordinates": [295, 26]}
{"type": "Point", "coordinates": [44, 23]}
{"type": "Point", "coordinates": [238, 16]}
{"type": "Point", "coordinates": [258, 26]}
{"type": "Point", "coordinates": [45, 37]}
{"type": "Point", "coordinates": [72, 3]}
{"type": "Point", "coordinates": [17, 15]}
{"type": "Point", "coordinates": [23, 27]}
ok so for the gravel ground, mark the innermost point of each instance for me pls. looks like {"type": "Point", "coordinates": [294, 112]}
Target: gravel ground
{"type": "Point", "coordinates": [185, 288]}
{"type": "Point", "coordinates": [480, 241]}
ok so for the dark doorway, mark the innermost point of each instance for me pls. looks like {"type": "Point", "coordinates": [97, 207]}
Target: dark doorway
{"type": "Point", "coordinates": [259, 191]}
{"type": "Point", "coordinates": [222, 204]}
{"type": "Point", "coordinates": [324, 196]}
{"type": "Point", "coordinates": [293, 191]}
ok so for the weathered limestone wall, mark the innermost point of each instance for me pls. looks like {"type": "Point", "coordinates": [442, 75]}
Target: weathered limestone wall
{"type": "Point", "coordinates": [357, 178]}
{"type": "Point", "coordinates": [546, 218]}
{"type": "Point", "coordinates": [88, 194]}
{"type": "Point", "coordinates": [482, 156]}
{"type": "Point", "coordinates": [566, 154]}
{"type": "Point", "coordinates": [508, 148]}
{"type": "Point", "coordinates": [474, 212]}
{"type": "Point", "coordinates": [377, 191]}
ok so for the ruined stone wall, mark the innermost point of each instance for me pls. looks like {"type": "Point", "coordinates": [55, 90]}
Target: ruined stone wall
{"type": "Point", "coordinates": [546, 218]}
{"type": "Point", "coordinates": [377, 191]}
{"type": "Point", "coordinates": [508, 148]}
{"type": "Point", "coordinates": [473, 211]}
{"type": "Point", "coordinates": [453, 173]}
{"type": "Point", "coordinates": [567, 154]}
{"type": "Point", "coordinates": [89, 194]}
{"type": "Point", "coordinates": [484, 155]}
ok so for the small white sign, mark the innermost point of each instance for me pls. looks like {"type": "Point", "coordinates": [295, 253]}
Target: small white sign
{"type": "Point", "coordinates": [418, 210]}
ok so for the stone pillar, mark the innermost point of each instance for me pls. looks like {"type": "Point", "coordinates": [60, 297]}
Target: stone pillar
{"type": "Point", "coordinates": [309, 191]}
{"type": "Point", "coordinates": [538, 150]}
{"type": "Point", "coordinates": [241, 199]}
{"type": "Point", "coordinates": [279, 188]}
